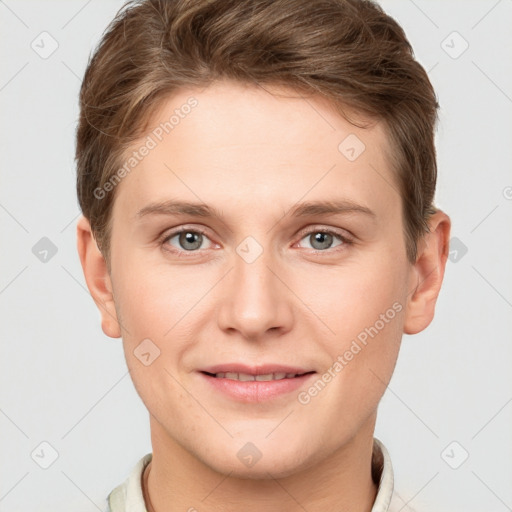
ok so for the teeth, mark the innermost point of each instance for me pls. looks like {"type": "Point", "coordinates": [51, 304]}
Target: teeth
{"type": "Point", "coordinates": [267, 376]}
{"type": "Point", "coordinates": [247, 377]}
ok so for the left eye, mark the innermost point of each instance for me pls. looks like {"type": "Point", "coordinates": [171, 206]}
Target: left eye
{"type": "Point", "coordinates": [321, 240]}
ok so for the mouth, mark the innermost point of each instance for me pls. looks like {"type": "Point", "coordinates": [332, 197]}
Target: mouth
{"type": "Point", "coordinates": [265, 377]}
{"type": "Point", "coordinates": [255, 385]}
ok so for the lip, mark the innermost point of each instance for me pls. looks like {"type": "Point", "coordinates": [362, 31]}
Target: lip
{"type": "Point", "coordinates": [255, 391]}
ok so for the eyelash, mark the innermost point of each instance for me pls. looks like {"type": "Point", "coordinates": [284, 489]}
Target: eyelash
{"type": "Point", "coordinates": [344, 239]}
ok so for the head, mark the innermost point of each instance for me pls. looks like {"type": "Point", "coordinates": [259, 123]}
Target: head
{"type": "Point", "coordinates": [251, 110]}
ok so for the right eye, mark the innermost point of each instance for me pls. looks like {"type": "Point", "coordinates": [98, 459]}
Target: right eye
{"type": "Point", "coordinates": [188, 240]}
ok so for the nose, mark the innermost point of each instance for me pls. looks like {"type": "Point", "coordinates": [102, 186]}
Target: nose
{"type": "Point", "coordinates": [255, 298]}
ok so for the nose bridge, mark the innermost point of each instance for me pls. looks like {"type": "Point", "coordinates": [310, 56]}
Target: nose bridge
{"type": "Point", "coordinates": [252, 269]}
{"type": "Point", "coordinates": [255, 300]}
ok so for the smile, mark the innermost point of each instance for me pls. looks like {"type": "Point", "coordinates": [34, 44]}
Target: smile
{"type": "Point", "coordinates": [248, 377]}
{"type": "Point", "coordinates": [255, 388]}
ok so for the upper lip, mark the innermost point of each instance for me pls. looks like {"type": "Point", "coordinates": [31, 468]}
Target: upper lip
{"type": "Point", "coordinates": [262, 369]}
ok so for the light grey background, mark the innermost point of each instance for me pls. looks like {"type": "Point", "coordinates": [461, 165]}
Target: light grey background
{"type": "Point", "coordinates": [63, 382]}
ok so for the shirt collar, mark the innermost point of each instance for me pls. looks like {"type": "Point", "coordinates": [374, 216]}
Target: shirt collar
{"type": "Point", "coordinates": [128, 496]}
{"type": "Point", "coordinates": [381, 465]}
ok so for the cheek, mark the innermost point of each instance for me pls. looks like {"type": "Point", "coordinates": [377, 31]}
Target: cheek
{"type": "Point", "coordinates": [356, 298]}
{"type": "Point", "coordinates": [151, 297]}
{"type": "Point", "coordinates": [154, 305]}
{"type": "Point", "coordinates": [162, 304]}
{"type": "Point", "coordinates": [365, 310]}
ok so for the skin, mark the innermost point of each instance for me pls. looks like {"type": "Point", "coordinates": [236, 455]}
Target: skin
{"type": "Point", "coordinates": [253, 153]}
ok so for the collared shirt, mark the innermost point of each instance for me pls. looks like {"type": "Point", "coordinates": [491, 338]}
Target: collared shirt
{"type": "Point", "coordinates": [128, 496]}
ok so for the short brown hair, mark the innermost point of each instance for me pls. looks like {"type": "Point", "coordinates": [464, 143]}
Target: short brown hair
{"type": "Point", "coordinates": [348, 51]}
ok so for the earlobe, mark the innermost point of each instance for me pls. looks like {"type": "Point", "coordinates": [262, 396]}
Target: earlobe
{"type": "Point", "coordinates": [427, 274]}
{"type": "Point", "coordinates": [97, 277]}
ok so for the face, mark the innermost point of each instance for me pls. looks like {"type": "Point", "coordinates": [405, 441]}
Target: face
{"type": "Point", "coordinates": [265, 279]}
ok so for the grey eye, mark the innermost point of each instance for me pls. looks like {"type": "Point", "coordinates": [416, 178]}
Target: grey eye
{"type": "Point", "coordinates": [322, 240]}
{"type": "Point", "coordinates": [190, 240]}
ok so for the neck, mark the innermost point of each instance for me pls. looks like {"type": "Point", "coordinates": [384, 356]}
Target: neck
{"type": "Point", "coordinates": [175, 480]}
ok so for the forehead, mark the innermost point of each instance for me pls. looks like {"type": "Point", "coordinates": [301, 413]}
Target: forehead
{"type": "Point", "coordinates": [255, 146]}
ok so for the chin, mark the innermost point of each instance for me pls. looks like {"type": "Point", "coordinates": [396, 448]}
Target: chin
{"type": "Point", "coordinates": [259, 460]}
{"type": "Point", "coordinates": [262, 470]}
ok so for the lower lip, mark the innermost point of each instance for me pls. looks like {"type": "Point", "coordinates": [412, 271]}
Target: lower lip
{"type": "Point", "coordinates": [254, 390]}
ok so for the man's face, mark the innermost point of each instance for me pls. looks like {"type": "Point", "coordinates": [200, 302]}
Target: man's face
{"type": "Point", "coordinates": [259, 285]}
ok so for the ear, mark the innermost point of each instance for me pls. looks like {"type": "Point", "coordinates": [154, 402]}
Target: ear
{"type": "Point", "coordinates": [427, 274]}
{"type": "Point", "coordinates": [97, 277]}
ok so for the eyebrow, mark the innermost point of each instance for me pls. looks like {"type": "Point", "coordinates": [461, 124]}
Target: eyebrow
{"type": "Point", "coordinates": [309, 208]}
{"type": "Point", "coordinates": [326, 207]}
